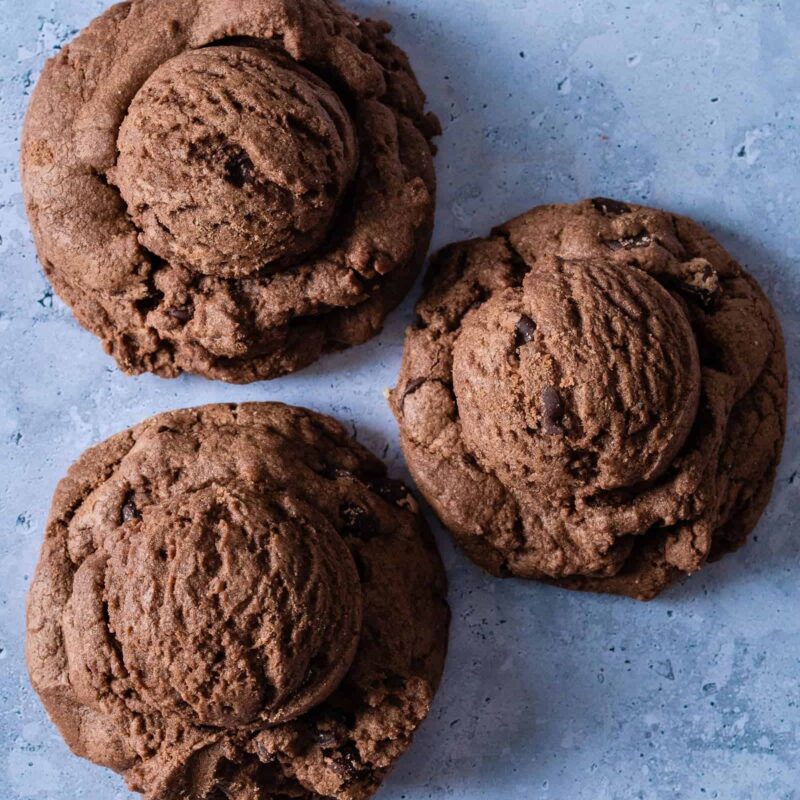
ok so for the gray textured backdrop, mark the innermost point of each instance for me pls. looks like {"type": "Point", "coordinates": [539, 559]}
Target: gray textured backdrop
{"type": "Point", "coordinates": [688, 104]}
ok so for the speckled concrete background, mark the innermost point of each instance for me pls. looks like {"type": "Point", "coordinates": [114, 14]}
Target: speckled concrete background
{"type": "Point", "coordinates": [689, 104]}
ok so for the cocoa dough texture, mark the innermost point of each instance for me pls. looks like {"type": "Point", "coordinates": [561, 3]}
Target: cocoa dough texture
{"type": "Point", "coordinates": [594, 396]}
{"type": "Point", "coordinates": [237, 602]}
{"type": "Point", "coordinates": [229, 187]}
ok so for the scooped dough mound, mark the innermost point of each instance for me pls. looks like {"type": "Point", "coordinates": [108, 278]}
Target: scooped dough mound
{"type": "Point", "coordinates": [594, 396]}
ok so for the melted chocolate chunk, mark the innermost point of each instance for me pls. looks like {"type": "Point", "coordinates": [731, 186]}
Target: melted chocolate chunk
{"type": "Point", "coordinates": [331, 472]}
{"type": "Point", "coordinates": [349, 765]}
{"type": "Point", "coordinates": [329, 726]}
{"type": "Point", "coordinates": [389, 489]}
{"type": "Point", "coordinates": [610, 208]}
{"type": "Point", "coordinates": [181, 313]}
{"type": "Point", "coordinates": [642, 239]}
{"type": "Point", "coordinates": [526, 330]}
{"type": "Point", "coordinates": [239, 169]}
{"type": "Point", "coordinates": [552, 412]}
{"type": "Point", "coordinates": [326, 739]}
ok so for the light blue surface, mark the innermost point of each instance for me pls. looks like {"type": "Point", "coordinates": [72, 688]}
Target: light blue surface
{"type": "Point", "coordinates": [548, 695]}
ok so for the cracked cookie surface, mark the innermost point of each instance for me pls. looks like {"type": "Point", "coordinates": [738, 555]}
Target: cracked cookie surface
{"type": "Point", "coordinates": [595, 396]}
{"type": "Point", "coordinates": [229, 188]}
{"type": "Point", "coordinates": [235, 601]}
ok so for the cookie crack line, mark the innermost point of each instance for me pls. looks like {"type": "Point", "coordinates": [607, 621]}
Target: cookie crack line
{"type": "Point", "coordinates": [604, 394]}
{"type": "Point", "coordinates": [206, 566]}
{"type": "Point", "coordinates": [313, 177]}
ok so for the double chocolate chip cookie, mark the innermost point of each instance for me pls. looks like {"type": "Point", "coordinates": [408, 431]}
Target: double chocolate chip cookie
{"type": "Point", "coordinates": [229, 187]}
{"type": "Point", "coordinates": [594, 396]}
{"type": "Point", "coordinates": [236, 602]}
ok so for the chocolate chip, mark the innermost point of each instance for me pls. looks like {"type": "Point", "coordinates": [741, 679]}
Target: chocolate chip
{"type": "Point", "coordinates": [552, 412]}
{"type": "Point", "coordinates": [330, 726]}
{"type": "Point", "coordinates": [326, 739]}
{"type": "Point", "coordinates": [526, 330]}
{"type": "Point", "coordinates": [239, 169]}
{"type": "Point", "coordinates": [181, 313]}
{"type": "Point", "coordinates": [332, 472]}
{"type": "Point", "coordinates": [389, 489]}
{"type": "Point", "coordinates": [469, 460]}
{"type": "Point", "coordinates": [129, 509]}
{"type": "Point", "coordinates": [642, 239]}
{"type": "Point", "coordinates": [359, 523]}
{"type": "Point", "coordinates": [610, 208]}
{"type": "Point", "coordinates": [349, 765]}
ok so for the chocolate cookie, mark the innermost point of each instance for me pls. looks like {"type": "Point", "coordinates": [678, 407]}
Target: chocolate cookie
{"type": "Point", "coordinates": [594, 396]}
{"type": "Point", "coordinates": [236, 602]}
{"type": "Point", "coordinates": [229, 187]}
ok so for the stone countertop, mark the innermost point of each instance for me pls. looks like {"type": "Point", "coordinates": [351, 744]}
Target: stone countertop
{"type": "Point", "coordinates": [690, 105]}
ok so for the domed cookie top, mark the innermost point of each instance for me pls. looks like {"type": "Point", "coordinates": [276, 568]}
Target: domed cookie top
{"type": "Point", "coordinates": [229, 188]}
{"type": "Point", "coordinates": [236, 600]}
{"type": "Point", "coordinates": [595, 396]}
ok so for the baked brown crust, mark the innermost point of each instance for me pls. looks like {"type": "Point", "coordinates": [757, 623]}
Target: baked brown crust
{"type": "Point", "coordinates": [229, 187]}
{"type": "Point", "coordinates": [235, 601]}
{"type": "Point", "coordinates": [594, 396]}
